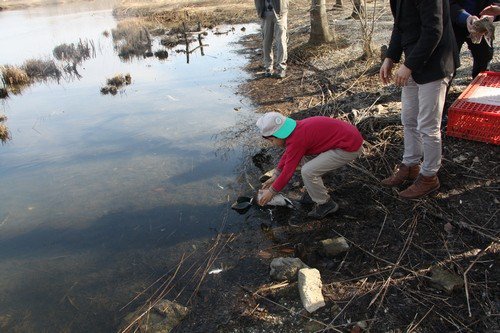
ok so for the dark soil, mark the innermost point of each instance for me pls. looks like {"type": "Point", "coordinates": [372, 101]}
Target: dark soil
{"type": "Point", "coordinates": [382, 283]}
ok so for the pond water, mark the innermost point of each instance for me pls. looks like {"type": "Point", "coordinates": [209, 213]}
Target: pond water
{"type": "Point", "coordinates": [100, 194]}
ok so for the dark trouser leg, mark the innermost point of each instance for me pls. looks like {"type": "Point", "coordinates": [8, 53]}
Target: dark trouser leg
{"type": "Point", "coordinates": [482, 54]}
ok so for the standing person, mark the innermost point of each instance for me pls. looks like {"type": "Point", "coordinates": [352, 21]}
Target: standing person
{"type": "Point", "coordinates": [335, 142]}
{"type": "Point", "coordinates": [422, 30]}
{"type": "Point", "coordinates": [463, 15]}
{"type": "Point", "coordinates": [274, 15]}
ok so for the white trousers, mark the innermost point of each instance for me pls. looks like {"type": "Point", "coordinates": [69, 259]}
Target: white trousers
{"type": "Point", "coordinates": [313, 169]}
{"type": "Point", "coordinates": [274, 27]}
{"type": "Point", "coordinates": [421, 111]}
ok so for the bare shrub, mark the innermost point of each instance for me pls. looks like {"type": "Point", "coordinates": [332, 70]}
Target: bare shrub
{"type": "Point", "coordinates": [12, 75]}
{"type": "Point", "coordinates": [41, 69]}
{"type": "Point", "coordinates": [131, 38]}
{"type": "Point", "coordinates": [368, 15]}
{"type": "Point", "coordinates": [74, 53]}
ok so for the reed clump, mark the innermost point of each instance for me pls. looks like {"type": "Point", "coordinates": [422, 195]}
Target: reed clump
{"type": "Point", "coordinates": [4, 93]}
{"type": "Point", "coordinates": [14, 76]}
{"type": "Point", "coordinates": [116, 82]}
{"type": "Point", "coordinates": [74, 53]}
{"type": "Point", "coordinates": [4, 133]}
{"type": "Point", "coordinates": [131, 38]}
{"type": "Point", "coordinates": [41, 69]}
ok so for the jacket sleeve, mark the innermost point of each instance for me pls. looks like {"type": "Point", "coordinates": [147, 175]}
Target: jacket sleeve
{"type": "Point", "coordinates": [395, 49]}
{"type": "Point", "coordinates": [458, 14]}
{"type": "Point", "coordinates": [287, 164]}
{"type": "Point", "coordinates": [431, 18]}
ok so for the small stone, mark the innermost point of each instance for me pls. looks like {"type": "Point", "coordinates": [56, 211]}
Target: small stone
{"type": "Point", "coordinates": [313, 326]}
{"type": "Point", "coordinates": [448, 227]}
{"type": "Point", "coordinates": [362, 324]}
{"type": "Point", "coordinates": [446, 281]}
{"type": "Point", "coordinates": [460, 159]}
{"type": "Point", "coordinates": [333, 246]}
{"type": "Point", "coordinates": [163, 317]}
{"type": "Point", "coordinates": [283, 269]}
{"type": "Point", "coordinates": [476, 159]}
{"type": "Point", "coordinates": [310, 289]}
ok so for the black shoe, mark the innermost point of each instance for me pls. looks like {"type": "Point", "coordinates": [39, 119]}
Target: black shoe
{"type": "Point", "coordinates": [320, 211]}
{"type": "Point", "coordinates": [268, 74]}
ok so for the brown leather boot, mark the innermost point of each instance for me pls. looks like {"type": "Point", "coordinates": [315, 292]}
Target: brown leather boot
{"type": "Point", "coordinates": [402, 174]}
{"type": "Point", "coordinates": [423, 185]}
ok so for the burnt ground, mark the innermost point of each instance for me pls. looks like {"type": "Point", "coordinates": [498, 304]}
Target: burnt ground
{"type": "Point", "coordinates": [381, 284]}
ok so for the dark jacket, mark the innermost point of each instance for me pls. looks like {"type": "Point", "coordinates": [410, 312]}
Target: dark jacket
{"type": "Point", "coordinates": [280, 7]}
{"type": "Point", "coordinates": [422, 30]}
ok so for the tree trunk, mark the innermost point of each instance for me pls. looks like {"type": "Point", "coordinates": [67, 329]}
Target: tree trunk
{"type": "Point", "coordinates": [320, 31]}
{"type": "Point", "coordinates": [357, 9]}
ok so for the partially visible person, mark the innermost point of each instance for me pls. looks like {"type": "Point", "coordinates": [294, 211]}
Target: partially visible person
{"type": "Point", "coordinates": [423, 31]}
{"type": "Point", "coordinates": [323, 143]}
{"type": "Point", "coordinates": [463, 14]}
{"type": "Point", "coordinates": [493, 10]}
{"type": "Point", "coordinates": [274, 15]}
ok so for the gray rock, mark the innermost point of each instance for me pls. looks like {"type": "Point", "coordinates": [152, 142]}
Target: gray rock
{"type": "Point", "coordinates": [310, 289]}
{"type": "Point", "coordinates": [162, 318]}
{"type": "Point", "coordinates": [286, 268]}
{"type": "Point", "coordinates": [333, 246]}
{"type": "Point", "coordinates": [446, 281]}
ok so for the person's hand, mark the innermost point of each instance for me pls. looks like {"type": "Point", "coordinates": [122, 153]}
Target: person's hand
{"type": "Point", "coordinates": [402, 76]}
{"type": "Point", "coordinates": [386, 71]}
{"type": "Point", "coordinates": [269, 182]}
{"type": "Point", "coordinates": [470, 23]}
{"type": "Point", "coordinates": [265, 197]}
{"type": "Point", "coordinates": [489, 17]}
{"type": "Point", "coordinates": [491, 10]}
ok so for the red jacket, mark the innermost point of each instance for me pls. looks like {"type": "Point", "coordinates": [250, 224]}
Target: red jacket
{"type": "Point", "coordinates": [314, 136]}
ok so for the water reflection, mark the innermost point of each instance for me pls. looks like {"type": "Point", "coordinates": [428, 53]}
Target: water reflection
{"type": "Point", "coordinates": [100, 194]}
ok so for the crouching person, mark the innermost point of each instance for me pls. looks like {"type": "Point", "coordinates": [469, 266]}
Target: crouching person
{"type": "Point", "coordinates": [335, 142]}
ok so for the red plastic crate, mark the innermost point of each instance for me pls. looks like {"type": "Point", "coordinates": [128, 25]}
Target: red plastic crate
{"type": "Point", "coordinates": [475, 115]}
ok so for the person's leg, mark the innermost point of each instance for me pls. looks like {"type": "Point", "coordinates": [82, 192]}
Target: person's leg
{"type": "Point", "coordinates": [410, 166]}
{"type": "Point", "coordinates": [482, 54]}
{"type": "Point", "coordinates": [321, 164]}
{"type": "Point", "coordinates": [409, 118]}
{"type": "Point", "coordinates": [281, 40]}
{"type": "Point", "coordinates": [267, 45]}
{"type": "Point", "coordinates": [431, 102]}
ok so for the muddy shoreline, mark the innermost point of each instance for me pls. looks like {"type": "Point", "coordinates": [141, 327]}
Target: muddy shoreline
{"type": "Point", "coordinates": [382, 283]}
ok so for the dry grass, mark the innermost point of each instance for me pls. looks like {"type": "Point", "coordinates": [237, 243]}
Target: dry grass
{"type": "Point", "coordinates": [4, 133]}
{"type": "Point", "coordinates": [171, 14]}
{"type": "Point", "coordinates": [74, 53]}
{"type": "Point", "coordinates": [114, 83]}
{"type": "Point", "coordinates": [131, 38]}
{"type": "Point", "coordinates": [12, 75]}
{"type": "Point", "coordinates": [41, 69]}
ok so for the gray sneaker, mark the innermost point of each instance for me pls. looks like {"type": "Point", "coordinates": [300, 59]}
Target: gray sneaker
{"type": "Point", "coordinates": [281, 74]}
{"type": "Point", "coordinates": [320, 211]}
